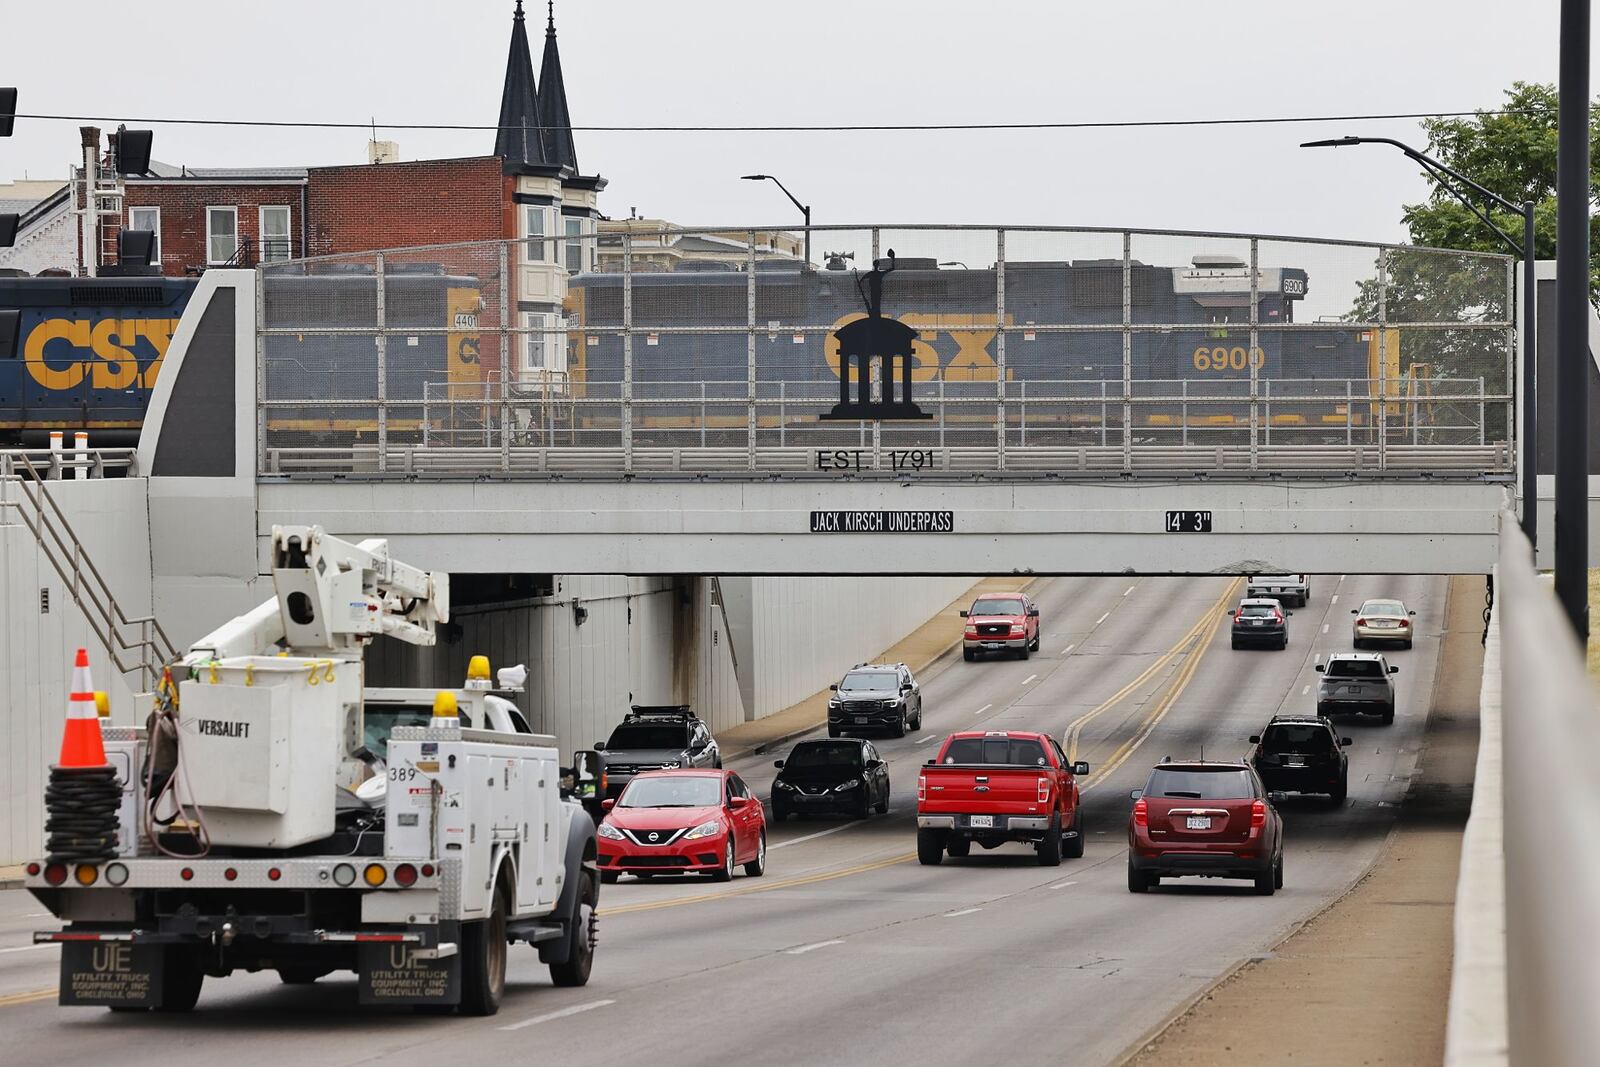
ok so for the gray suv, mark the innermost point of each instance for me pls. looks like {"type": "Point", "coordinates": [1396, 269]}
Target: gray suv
{"type": "Point", "coordinates": [1356, 682]}
{"type": "Point", "coordinates": [875, 696]}
{"type": "Point", "coordinates": [654, 738]}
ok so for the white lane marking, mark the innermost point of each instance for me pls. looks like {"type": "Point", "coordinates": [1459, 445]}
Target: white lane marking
{"type": "Point", "coordinates": [1335, 599]}
{"type": "Point", "coordinates": [1324, 627]}
{"type": "Point", "coordinates": [1069, 648]}
{"type": "Point", "coordinates": [801, 950]}
{"type": "Point", "coordinates": [1102, 618]}
{"type": "Point", "coordinates": [1128, 590]}
{"type": "Point", "coordinates": [30, 948]}
{"type": "Point", "coordinates": [963, 911]}
{"type": "Point", "coordinates": [980, 711]}
{"type": "Point", "coordinates": [930, 737]}
{"type": "Point", "coordinates": [1029, 678]}
{"type": "Point", "coordinates": [819, 833]}
{"type": "Point", "coordinates": [1341, 577]}
{"type": "Point", "coordinates": [1317, 658]}
{"type": "Point", "coordinates": [1062, 885]}
{"type": "Point", "coordinates": [1305, 690]}
{"type": "Point", "coordinates": [576, 1009]}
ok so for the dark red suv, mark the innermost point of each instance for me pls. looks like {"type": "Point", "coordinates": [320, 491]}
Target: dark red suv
{"type": "Point", "coordinates": [1207, 819]}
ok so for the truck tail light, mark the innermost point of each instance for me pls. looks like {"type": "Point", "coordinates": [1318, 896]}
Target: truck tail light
{"type": "Point", "coordinates": [1044, 790]}
{"type": "Point", "coordinates": [922, 789]}
{"type": "Point", "coordinates": [406, 875]}
{"type": "Point", "coordinates": [1258, 815]}
{"type": "Point", "coordinates": [1141, 813]}
{"type": "Point", "coordinates": [55, 873]}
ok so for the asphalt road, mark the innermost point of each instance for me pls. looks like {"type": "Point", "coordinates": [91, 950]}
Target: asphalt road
{"type": "Point", "coordinates": [848, 950]}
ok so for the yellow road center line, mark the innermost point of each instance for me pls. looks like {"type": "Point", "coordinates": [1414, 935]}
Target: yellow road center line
{"type": "Point", "coordinates": [1075, 729]}
{"type": "Point", "coordinates": [26, 998]}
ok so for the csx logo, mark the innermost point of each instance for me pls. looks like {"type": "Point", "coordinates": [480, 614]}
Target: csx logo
{"type": "Point", "coordinates": [60, 353]}
{"type": "Point", "coordinates": [972, 334]}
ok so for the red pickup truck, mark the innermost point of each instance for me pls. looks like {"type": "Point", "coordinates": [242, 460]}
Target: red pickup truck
{"type": "Point", "coordinates": [996, 786]}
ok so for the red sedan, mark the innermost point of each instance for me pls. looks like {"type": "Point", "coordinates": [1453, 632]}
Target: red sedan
{"type": "Point", "coordinates": [683, 822]}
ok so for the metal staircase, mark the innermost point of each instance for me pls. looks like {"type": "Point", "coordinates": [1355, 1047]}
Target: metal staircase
{"type": "Point", "coordinates": [134, 644]}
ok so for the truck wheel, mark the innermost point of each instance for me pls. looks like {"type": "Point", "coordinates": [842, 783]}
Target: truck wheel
{"type": "Point", "coordinates": [958, 847]}
{"type": "Point", "coordinates": [930, 848]}
{"type": "Point", "coordinates": [1074, 846]}
{"type": "Point", "coordinates": [1022, 653]}
{"type": "Point", "coordinates": [1049, 848]}
{"type": "Point", "coordinates": [968, 655]}
{"type": "Point", "coordinates": [725, 872]}
{"type": "Point", "coordinates": [483, 959]}
{"type": "Point", "coordinates": [758, 866]}
{"type": "Point", "coordinates": [610, 877]}
{"type": "Point", "coordinates": [580, 960]}
{"type": "Point", "coordinates": [181, 979]}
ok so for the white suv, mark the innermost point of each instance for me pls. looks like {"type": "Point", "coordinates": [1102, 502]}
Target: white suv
{"type": "Point", "coordinates": [1280, 587]}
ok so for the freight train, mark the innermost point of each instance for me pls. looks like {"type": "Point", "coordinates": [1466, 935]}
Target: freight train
{"type": "Point", "coordinates": [85, 353]}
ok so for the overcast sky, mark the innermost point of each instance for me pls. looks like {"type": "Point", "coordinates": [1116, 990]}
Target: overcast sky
{"type": "Point", "coordinates": [637, 62]}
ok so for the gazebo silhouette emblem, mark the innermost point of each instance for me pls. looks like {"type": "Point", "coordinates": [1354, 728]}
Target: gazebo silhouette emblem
{"type": "Point", "coordinates": [875, 338]}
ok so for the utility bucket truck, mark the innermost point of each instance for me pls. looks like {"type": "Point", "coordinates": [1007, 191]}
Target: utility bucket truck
{"type": "Point", "coordinates": [276, 815]}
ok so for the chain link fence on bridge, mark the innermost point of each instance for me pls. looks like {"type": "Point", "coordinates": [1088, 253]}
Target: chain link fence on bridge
{"type": "Point", "coordinates": [1036, 350]}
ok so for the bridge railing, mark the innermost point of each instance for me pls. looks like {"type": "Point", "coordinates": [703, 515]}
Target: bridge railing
{"type": "Point", "coordinates": [617, 344]}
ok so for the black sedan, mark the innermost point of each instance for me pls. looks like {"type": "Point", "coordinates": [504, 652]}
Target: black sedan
{"type": "Point", "coordinates": [843, 776]}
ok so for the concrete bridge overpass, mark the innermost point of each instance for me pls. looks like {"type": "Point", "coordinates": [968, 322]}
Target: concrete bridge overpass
{"type": "Point", "coordinates": [1093, 402]}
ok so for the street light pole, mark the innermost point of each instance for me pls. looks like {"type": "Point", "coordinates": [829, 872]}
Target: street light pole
{"type": "Point", "coordinates": [1529, 325]}
{"type": "Point", "coordinates": [1572, 319]}
{"type": "Point", "coordinates": [804, 209]}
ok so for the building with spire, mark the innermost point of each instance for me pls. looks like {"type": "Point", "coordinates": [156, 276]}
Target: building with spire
{"type": "Point", "coordinates": [557, 207]}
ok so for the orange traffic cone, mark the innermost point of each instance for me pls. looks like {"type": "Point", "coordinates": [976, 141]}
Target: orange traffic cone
{"type": "Point", "coordinates": [81, 745]}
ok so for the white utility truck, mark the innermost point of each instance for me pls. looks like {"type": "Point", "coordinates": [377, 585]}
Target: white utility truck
{"type": "Point", "coordinates": [278, 816]}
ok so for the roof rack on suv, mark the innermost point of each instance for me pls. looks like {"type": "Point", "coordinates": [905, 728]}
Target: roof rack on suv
{"type": "Point", "coordinates": [682, 712]}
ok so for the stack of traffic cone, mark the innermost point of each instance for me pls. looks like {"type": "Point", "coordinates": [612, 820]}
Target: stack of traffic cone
{"type": "Point", "coordinates": [83, 795]}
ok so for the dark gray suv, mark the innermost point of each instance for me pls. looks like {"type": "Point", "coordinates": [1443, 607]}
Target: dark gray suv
{"type": "Point", "coordinates": [1357, 682]}
{"type": "Point", "coordinates": [875, 696]}
{"type": "Point", "coordinates": [654, 738]}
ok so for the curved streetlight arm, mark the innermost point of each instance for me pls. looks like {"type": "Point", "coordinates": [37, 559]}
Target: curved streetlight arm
{"type": "Point", "coordinates": [769, 178]}
{"type": "Point", "coordinates": [1438, 172]}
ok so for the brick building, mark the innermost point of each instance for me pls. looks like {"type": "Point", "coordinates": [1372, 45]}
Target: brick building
{"type": "Point", "coordinates": [529, 190]}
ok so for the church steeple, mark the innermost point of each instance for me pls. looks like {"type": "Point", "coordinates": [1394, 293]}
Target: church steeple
{"type": "Point", "coordinates": [559, 149]}
{"type": "Point", "coordinates": [520, 140]}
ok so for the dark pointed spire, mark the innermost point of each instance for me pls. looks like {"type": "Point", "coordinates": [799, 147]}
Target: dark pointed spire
{"type": "Point", "coordinates": [519, 139]}
{"type": "Point", "coordinates": [559, 149]}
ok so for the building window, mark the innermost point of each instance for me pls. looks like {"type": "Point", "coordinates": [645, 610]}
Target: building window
{"type": "Point", "coordinates": [536, 249]}
{"type": "Point", "coordinates": [276, 240]}
{"type": "Point", "coordinates": [576, 247]}
{"type": "Point", "coordinates": [148, 218]}
{"type": "Point", "coordinates": [546, 347]}
{"type": "Point", "coordinates": [222, 234]}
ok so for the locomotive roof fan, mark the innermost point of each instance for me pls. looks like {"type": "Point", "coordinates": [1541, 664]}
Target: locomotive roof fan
{"type": "Point", "coordinates": [133, 151]}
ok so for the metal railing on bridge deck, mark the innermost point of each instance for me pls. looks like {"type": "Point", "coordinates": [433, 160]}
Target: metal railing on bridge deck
{"type": "Point", "coordinates": [1058, 351]}
{"type": "Point", "coordinates": [134, 643]}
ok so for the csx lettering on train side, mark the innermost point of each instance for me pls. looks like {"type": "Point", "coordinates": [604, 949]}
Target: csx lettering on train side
{"type": "Point", "coordinates": [59, 353]}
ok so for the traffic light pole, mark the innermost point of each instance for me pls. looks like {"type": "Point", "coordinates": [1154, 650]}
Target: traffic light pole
{"type": "Point", "coordinates": [1572, 320]}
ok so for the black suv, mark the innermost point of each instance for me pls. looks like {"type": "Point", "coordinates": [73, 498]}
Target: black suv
{"type": "Point", "coordinates": [1257, 621]}
{"type": "Point", "coordinates": [1302, 754]}
{"type": "Point", "coordinates": [875, 696]}
{"type": "Point", "coordinates": [845, 776]}
{"type": "Point", "coordinates": [653, 738]}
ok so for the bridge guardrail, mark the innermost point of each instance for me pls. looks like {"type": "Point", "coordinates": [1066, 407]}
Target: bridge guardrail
{"type": "Point", "coordinates": [1552, 802]}
{"type": "Point", "coordinates": [721, 338]}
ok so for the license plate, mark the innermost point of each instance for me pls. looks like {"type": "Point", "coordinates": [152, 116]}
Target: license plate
{"type": "Point", "coordinates": [1198, 822]}
{"type": "Point", "coordinates": [981, 821]}
{"type": "Point", "coordinates": [1294, 761]}
{"type": "Point", "coordinates": [861, 720]}
{"type": "Point", "coordinates": [1256, 622]}
{"type": "Point", "coordinates": [1351, 690]}
{"type": "Point", "coordinates": [991, 644]}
